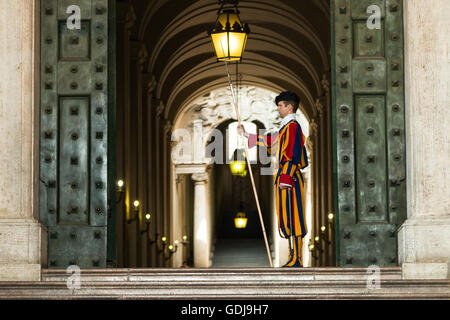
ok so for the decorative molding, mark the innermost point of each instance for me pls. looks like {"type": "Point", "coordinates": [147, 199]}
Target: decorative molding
{"type": "Point", "coordinates": [142, 56]}
{"type": "Point", "coordinates": [254, 104]}
{"type": "Point", "coordinates": [319, 107]}
{"type": "Point", "coordinates": [310, 145]}
{"type": "Point", "coordinates": [209, 111]}
{"type": "Point", "coordinates": [167, 127]}
{"type": "Point", "coordinates": [200, 178]}
{"type": "Point", "coordinates": [139, 53]}
{"type": "Point", "coordinates": [151, 85]}
{"type": "Point", "coordinates": [160, 109]}
{"type": "Point", "coordinates": [179, 178]}
{"type": "Point", "coordinates": [313, 128]}
{"type": "Point", "coordinates": [326, 84]}
{"type": "Point", "coordinates": [130, 19]}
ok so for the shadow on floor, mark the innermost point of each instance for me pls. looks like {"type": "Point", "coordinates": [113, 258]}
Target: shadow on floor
{"type": "Point", "coordinates": [240, 253]}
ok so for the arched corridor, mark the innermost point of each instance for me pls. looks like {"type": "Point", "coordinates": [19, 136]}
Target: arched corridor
{"type": "Point", "coordinates": [168, 79]}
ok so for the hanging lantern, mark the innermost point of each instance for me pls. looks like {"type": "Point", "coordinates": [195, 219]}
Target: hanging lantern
{"type": "Point", "coordinates": [238, 165]}
{"type": "Point", "coordinates": [229, 34]}
{"type": "Point", "coordinates": [240, 222]}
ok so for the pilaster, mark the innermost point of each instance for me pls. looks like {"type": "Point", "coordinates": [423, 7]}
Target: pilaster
{"type": "Point", "coordinates": [424, 238]}
{"type": "Point", "coordinates": [22, 238]}
{"type": "Point", "coordinates": [201, 243]}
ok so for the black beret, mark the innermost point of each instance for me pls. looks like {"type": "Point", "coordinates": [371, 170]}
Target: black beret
{"type": "Point", "coordinates": [287, 96]}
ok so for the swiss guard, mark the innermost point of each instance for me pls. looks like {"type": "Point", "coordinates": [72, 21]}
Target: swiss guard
{"type": "Point", "coordinates": [289, 144]}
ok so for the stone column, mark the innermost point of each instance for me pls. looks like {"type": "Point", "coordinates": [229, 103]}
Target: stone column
{"type": "Point", "coordinates": [151, 161]}
{"type": "Point", "coordinates": [329, 170]}
{"type": "Point", "coordinates": [314, 229]}
{"type": "Point", "coordinates": [177, 225]}
{"type": "Point", "coordinates": [166, 181]}
{"type": "Point", "coordinates": [129, 142]}
{"type": "Point", "coordinates": [323, 179]}
{"type": "Point", "coordinates": [424, 238]}
{"type": "Point", "coordinates": [158, 185]}
{"type": "Point", "coordinates": [201, 247]}
{"type": "Point", "coordinates": [139, 57]}
{"type": "Point", "coordinates": [122, 34]}
{"type": "Point", "coordinates": [22, 239]}
{"type": "Point", "coordinates": [306, 254]}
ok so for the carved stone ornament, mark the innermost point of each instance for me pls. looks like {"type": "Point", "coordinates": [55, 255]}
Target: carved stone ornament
{"type": "Point", "coordinates": [180, 178]}
{"type": "Point", "coordinates": [130, 19]}
{"type": "Point", "coordinates": [142, 56]}
{"type": "Point", "coordinates": [313, 128]}
{"type": "Point", "coordinates": [167, 127]}
{"type": "Point", "coordinates": [151, 85]}
{"type": "Point", "coordinates": [319, 107]}
{"type": "Point", "coordinates": [326, 84]}
{"type": "Point", "coordinates": [255, 104]}
{"type": "Point", "coordinates": [309, 145]}
{"type": "Point", "coordinates": [160, 109]}
{"type": "Point", "coordinates": [205, 114]}
{"type": "Point", "coordinates": [200, 177]}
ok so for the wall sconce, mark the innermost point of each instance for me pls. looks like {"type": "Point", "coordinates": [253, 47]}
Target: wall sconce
{"type": "Point", "coordinates": [330, 217]}
{"type": "Point", "coordinates": [147, 223]}
{"type": "Point", "coordinates": [136, 205]}
{"type": "Point", "coordinates": [323, 230]}
{"type": "Point", "coordinates": [311, 248]}
{"type": "Point", "coordinates": [120, 185]}
{"type": "Point", "coordinates": [172, 248]}
{"type": "Point", "coordinates": [120, 190]}
{"type": "Point", "coordinates": [317, 245]}
{"type": "Point", "coordinates": [185, 254]}
{"type": "Point", "coordinates": [155, 240]}
{"type": "Point", "coordinates": [162, 244]}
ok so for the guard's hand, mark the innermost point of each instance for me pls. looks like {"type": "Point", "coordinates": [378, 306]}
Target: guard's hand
{"type": "Point", "coordinates": [241, 130]}
{"type": "Point", "coordinates": [283, 186]}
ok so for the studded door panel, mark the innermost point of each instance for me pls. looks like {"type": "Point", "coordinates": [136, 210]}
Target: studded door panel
{"type": "Point", "coordinates": [369, 131]}
{"type": "Point", "coordinates": [73, 126]}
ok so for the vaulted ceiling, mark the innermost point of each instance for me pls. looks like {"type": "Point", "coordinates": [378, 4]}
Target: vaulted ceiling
{"type": "Point", "coordinates": [288, 48]}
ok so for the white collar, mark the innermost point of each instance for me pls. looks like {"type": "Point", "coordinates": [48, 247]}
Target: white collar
{"type": "Point", "coordinates": [288, 118]}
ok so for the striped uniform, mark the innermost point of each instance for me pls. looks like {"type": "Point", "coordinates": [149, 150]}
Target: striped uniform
{"type": "Point", "coordinates": [289, 143]}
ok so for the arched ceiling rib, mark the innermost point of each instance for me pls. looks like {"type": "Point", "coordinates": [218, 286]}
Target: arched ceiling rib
{"type": "Point", "coordinates": [255, 72]}
{"type": "Point", "coordinates": [287, 49]}
{"type": "Point", "coordinates": [273, 53]}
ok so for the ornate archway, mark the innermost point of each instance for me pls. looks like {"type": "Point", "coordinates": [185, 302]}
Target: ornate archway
{"type": "Point", "coordinates": [194, 127]}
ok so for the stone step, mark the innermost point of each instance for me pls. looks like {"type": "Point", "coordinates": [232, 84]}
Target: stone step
{"type": "Point", "coordinates": [222, 274]}
{"type": "Point", "coordinates": [230, 283]}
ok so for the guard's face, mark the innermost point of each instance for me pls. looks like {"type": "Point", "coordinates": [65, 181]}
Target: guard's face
{"type": "Point", "coordinates": [284, 109]}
